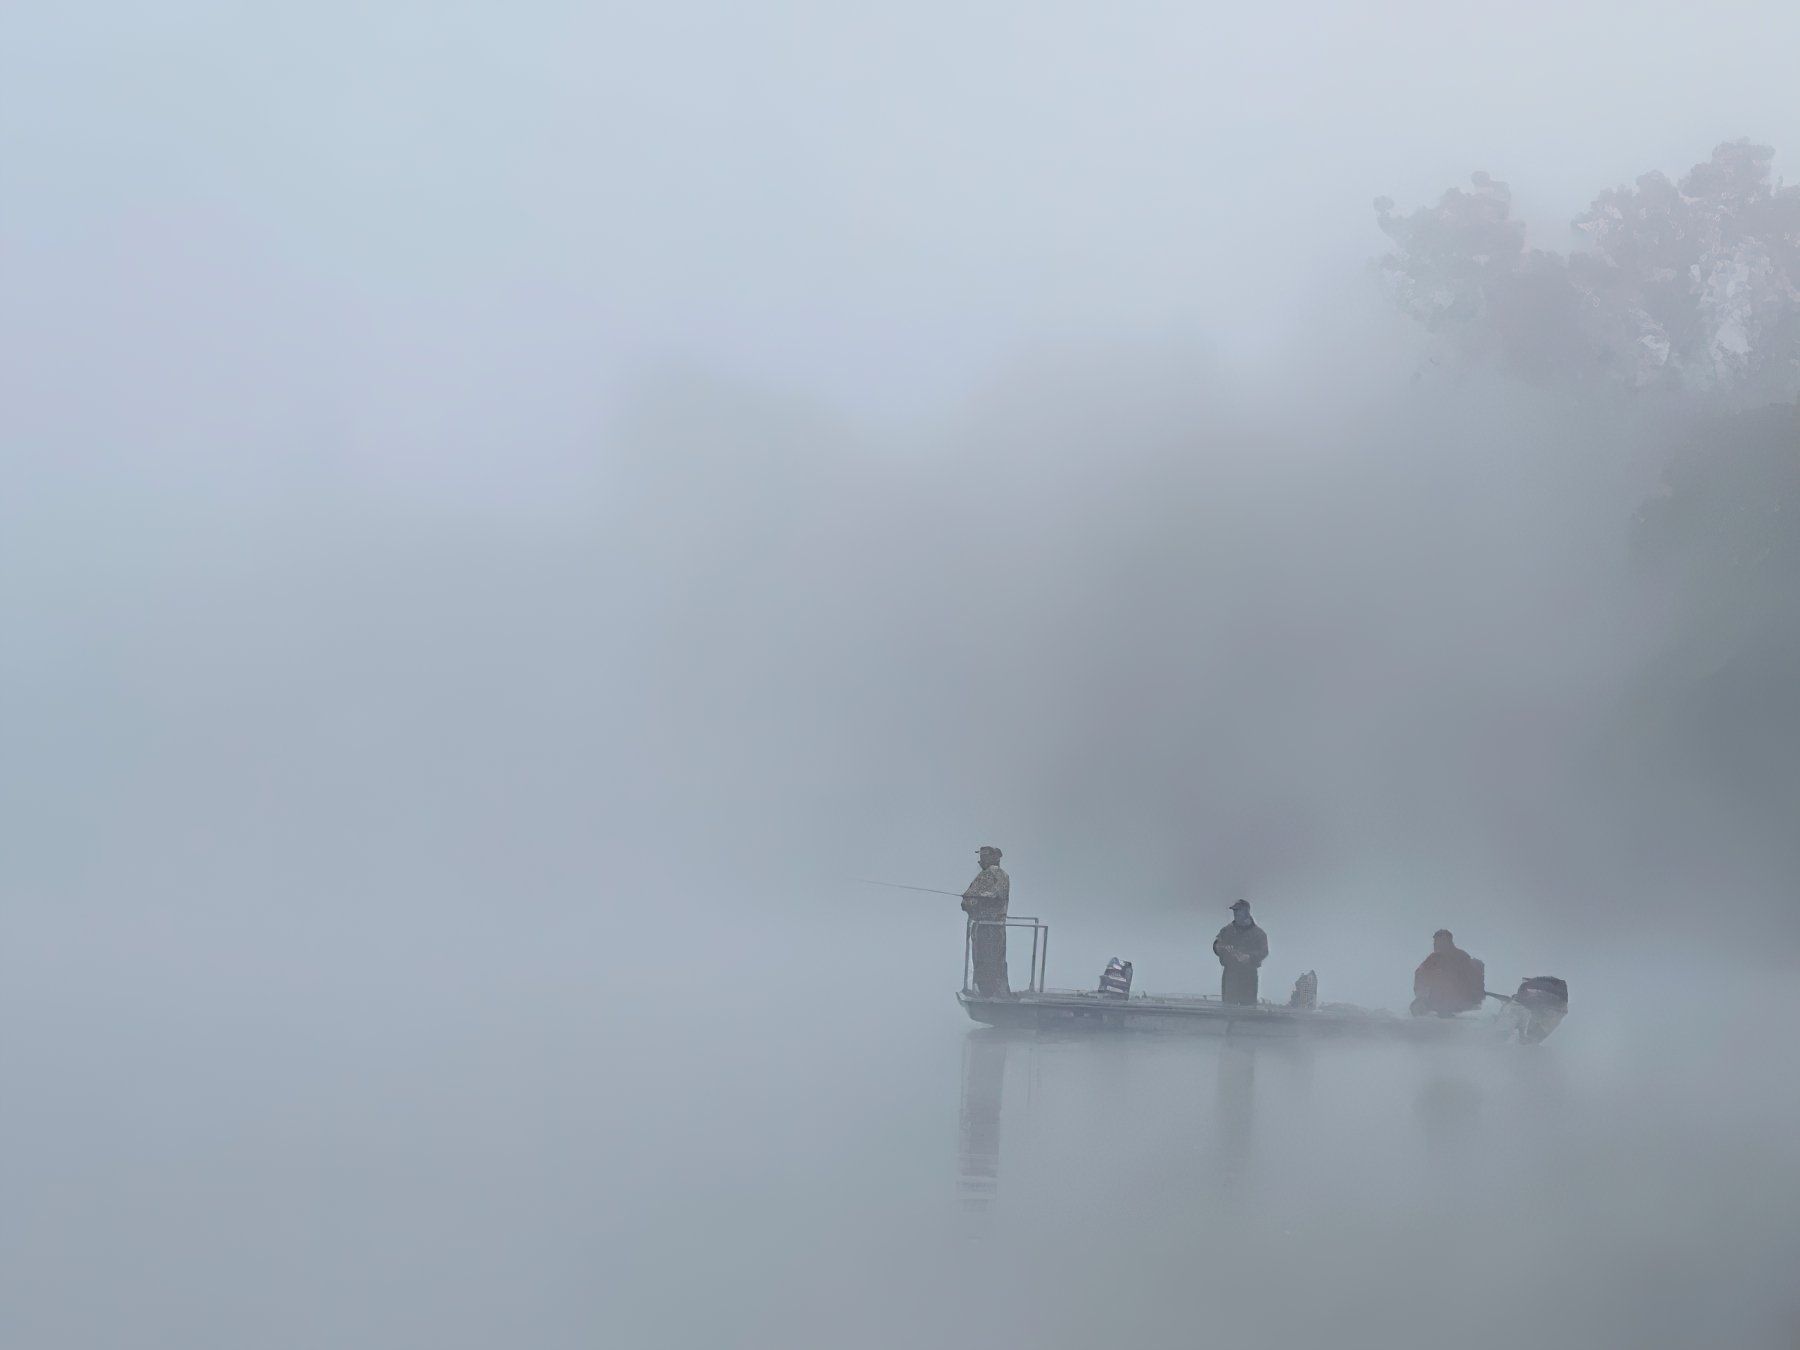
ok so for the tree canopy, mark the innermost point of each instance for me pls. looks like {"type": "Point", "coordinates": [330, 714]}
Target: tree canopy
{"type": "Point", "coordinates": [1691, 286]}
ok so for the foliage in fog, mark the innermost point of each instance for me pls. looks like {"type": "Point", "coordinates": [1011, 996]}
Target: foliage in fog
{"type": "Point", "coordinates": [1689, 286]}
{"type": "Point", "coordinates": [1688, 289]}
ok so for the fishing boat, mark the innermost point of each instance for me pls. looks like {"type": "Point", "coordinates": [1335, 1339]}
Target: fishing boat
{"type": "Point", "coordinates": [1526, 1017]}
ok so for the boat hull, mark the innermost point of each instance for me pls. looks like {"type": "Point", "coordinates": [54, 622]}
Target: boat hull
{"type": "Point", "coordinates": [1074, 1010]}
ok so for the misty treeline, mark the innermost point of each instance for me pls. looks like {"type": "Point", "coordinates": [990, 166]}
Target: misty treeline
{"type": "Point", "coordinates": [1498, 639]}
{"type": "Point", "coordinates": [1686, 293]}
{"type": "Point", "coordinates": [1161, 630]}
{"type": "Point", "coordinates": [1688, 286]}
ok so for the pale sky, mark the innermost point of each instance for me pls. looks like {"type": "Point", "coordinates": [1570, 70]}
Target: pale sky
{"type": "Point", "coordinates": [453, 234]}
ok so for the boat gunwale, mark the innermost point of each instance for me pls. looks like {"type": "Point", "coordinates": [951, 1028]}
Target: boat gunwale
{"type": "Point", "coordinates": [1099, 1011]}
{"type": "Point", "coordinates": [1186, 1004]}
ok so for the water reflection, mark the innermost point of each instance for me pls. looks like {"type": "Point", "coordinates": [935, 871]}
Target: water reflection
{"type": "Point", "coordinates": [1449, 1107]}
{"type": "Point", "coordinates": [1234, 1111]}
{"type": "Point", "coordinates": [1118, 1096]}
{"type": "Point", "coordinates": [1295, 1188]}
{"type": "Point", "coordinates": [983, 1091]}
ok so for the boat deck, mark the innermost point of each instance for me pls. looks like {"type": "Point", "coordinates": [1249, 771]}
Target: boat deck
{"type": "Point", "coordinates": [1037, 1008]}
{"type": "Point", "coordinates": [1083, 1010]}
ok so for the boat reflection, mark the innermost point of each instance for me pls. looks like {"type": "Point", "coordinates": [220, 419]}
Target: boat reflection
{"type": "Point", "coordinates": [1234, 1106]}
{"type": "Point", "coordinates": [1110, 1092]}
{"type": "Point", "coordinates": [983, 1092]}
{"type": "Point", "coordinates": [1450, 1107]}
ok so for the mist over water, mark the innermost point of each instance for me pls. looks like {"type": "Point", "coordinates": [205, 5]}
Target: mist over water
{"type": "Point", "coordinates": [505, 518]}
{"type": "Point", "coordinates": [821, 1150]}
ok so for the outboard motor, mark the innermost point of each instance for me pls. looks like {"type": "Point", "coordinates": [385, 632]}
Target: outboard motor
{"type": "Point", "coordinates": [1116, 978]}
{"type": "Point", "coordinates": [1539, 1007]}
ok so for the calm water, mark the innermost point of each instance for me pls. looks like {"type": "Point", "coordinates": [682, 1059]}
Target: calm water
{"type": "Point", "coordinates": [474, 1139]}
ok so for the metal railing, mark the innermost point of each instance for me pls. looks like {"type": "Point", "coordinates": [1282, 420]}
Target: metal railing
{"type": "Point", "coordinates": [1040, 948]}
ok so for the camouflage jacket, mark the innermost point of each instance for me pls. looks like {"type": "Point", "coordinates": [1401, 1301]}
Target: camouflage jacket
{"type": "Point", "coordinates": [987, 895]}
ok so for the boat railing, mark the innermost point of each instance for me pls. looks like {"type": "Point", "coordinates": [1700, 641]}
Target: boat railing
{"type": "Point", "coordinates": [1040, 947]}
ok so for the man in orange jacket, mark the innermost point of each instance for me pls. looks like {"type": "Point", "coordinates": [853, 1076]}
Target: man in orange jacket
{"type": "Point", "coordinates": [1448, 981]}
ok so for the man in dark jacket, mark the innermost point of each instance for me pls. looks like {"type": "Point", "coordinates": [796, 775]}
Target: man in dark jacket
{"type": "Point", "coordinates": [1448, 981]}
{"type": "Point", "coordinates": [1241, 947]}
{"type": "Point", "coordinates": [986, 899]}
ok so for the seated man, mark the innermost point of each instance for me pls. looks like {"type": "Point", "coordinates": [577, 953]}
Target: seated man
{"type": "Point", "coordinates": [1448, 981]}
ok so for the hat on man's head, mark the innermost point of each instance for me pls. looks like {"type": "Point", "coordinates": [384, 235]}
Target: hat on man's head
{"type": "Point", "coordinates": [1240, 904]}
{"type": "Point", "coordinates": [989, 848]}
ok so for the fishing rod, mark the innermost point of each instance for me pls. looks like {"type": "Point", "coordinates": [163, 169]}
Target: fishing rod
{"type": "Point", "coordinates": [898, 886]}
{"type": "Point", "coordinates": [901, 886]}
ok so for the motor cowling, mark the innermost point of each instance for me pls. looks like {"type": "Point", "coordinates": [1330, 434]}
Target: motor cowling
{"type": "Point", "coordinates": [1540, 1006]}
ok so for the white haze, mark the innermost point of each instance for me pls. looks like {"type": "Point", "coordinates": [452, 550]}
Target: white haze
{"type": "Point", "coordinates": [507, 512]}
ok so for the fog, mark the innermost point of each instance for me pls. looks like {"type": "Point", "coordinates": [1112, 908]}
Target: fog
{"type": "Point", "coordinates": [509, 519]}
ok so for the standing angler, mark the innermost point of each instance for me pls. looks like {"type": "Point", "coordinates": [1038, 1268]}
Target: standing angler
{"type": "Point", "coordinates": [1241, 947]}
{"type": "Point", "coordinates": [986, 899]}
